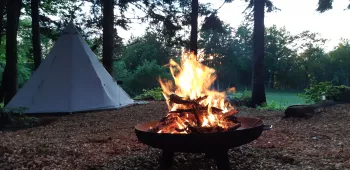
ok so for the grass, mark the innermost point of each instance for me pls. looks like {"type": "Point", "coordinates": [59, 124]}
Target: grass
{"type": "Point", "coordinates": [284, 98]}
{"type": "Point", "coordinates": [281, 99]}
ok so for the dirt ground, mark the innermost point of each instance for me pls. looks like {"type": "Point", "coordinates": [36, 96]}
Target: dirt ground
{"type": "Point", "coordinates": [106, 140]}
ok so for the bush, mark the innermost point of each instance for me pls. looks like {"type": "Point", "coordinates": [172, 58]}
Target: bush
{"type": "Point", "coordinates": [145, 77]}
{"type": "Point", "coordinates": [316, 92]}
{"type": "Point", "coordinates": [242, 99]}
{"type": "Point", "coordinates": [153, 94]}
{"type": "Point", "coordinates": [273, 105]}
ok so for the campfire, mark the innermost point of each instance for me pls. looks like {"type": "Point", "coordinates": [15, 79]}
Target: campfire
{"type": "Point", "coordinates": [201, 113]}
{"type": "Point", "coordinates": [193, 106]}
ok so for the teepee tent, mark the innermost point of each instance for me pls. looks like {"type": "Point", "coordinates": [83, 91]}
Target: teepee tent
{"type": "Point", "coordinates": [70, 79]}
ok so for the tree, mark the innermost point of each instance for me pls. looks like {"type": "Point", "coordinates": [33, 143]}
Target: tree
{"type": "Point", "coordinates": [13, 13]}
{"type": "Point", "coordinates": [148, 47]}
{"type": "Point", "coordinates": [219, 53]}
{"type": "Point", "coordinates": [108, 31]}
{"type": "Point", "coordinates": [311, 63]}
{"type": "Point", "coordinates": [324, 5]}
{"type": "Point", "coordinates": [258, 84]}
{"type": "Point", "coordinates": [36, 33]}
{"type": "Point", "coordinates": [173, 19]}
{"type": "Point", "coordinates": [277, 43]}
{"type": "Point", "coordinates": [340, 61]}
{"type": "Point", "coordinates": [194, 26]}
{"type": "Point", "coordinates": [258, 89]}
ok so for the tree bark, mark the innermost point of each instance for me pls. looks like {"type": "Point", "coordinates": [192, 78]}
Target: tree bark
{"type": "Point", "coordinates": [194, 27]}
{"type": "Point", "coordinates": [3, 84]}
{"type": "Point", "coordinates": [306, 77]}
{"type": "Point", "coordinates": [13, 13]}
{"type": "Point", "coordinates": [258, 92]}
{"type": "Point", "coordinates": [36, 33]}
{"type": "Point", "coordinates": [108, 37]}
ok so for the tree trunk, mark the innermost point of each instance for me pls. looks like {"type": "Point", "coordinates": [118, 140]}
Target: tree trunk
{"type": "Point", "coordinates": [194, 27]}
{"type": "Point", "coordinates": [13, 12]}
{"type": "Point", "coordinates": [108, 35]}
{"type": "Point", "coordinates": [258, 92]}
{"type": "Point", "coordinates": [272, 79]}
{"type": "Point", "coordinates": [306, 77]}
{"type": "Point", "coordinates": [3, 84]}
{"type": "Point", "coordinates": [36, 33]}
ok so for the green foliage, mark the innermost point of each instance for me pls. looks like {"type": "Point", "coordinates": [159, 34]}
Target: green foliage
{"type": "Point", "coordinates": [141, 64]}
{"type": "Point", "coordinates": [243, 99]}
{"type": "Point", "coordinates": [272, 105]}
{"type": "Point", "coordinates": [148, 47]}
{"type": "Point", "coordinates": [152, 94]}
{"type": "Point", "coordinates": [25, 61]}
{"type": "Point", "coordinates": [338, 64]}
{"type": "Point", "coordinates": [145, 77]}
{"type": "Point", "coordinates": [327, 89]}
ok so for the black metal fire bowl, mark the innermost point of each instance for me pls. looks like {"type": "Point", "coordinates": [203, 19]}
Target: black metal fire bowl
{"type": "Point", "coordinates": [216, 144]}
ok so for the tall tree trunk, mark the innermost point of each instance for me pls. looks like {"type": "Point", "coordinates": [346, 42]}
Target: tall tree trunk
{"type": "Point", "coordinates": [194, 27]}
{"type": "Point", "coordinates": [108, 35]}
{"type": "Point", "coordinates": [258, 92]}
{"type": "Point", "coordinates": [13, 12]}
{"type": "Point", "coordinates": [36, 33]}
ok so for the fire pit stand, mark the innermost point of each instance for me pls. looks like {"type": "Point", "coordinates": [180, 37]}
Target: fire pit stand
{"type": "Point", "coordinates": [214, 144]}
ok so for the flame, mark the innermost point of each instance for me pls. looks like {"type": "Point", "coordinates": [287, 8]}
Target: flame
{"type": "Point", "coordinates": [193, 80]}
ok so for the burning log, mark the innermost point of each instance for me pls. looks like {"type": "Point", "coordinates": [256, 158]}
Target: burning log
{"type": "Point", "coordinates": [214, 110]}
{"type": "Point", "coordinates": [173, 98]}
{"type": "Point", "coordinates": [179, 121]}
{"type": "Point", "coordinates": [201, 99]}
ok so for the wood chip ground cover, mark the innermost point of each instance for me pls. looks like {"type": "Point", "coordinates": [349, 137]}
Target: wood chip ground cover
{"type": "Point", "coordinates": [106, 140]}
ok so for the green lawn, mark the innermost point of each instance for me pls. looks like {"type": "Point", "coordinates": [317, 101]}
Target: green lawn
{"type": "Point", "coordinates": [283, 98]}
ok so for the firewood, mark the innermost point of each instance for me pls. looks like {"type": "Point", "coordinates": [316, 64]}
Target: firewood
{"type": "Point", "coordinates": [219, 129]}
{"type": "Point", "coordinates": [180, 130]}
{"type": "Point", "coordinates": [179, 100]}
{"type": "Point", "coordinates": [182, 111]}
{"type": "Point", "coordinates": [230, 113]}
{"type": "Point", "coordinates": [201, 98]}
{"type": "Point", "coordinates": [214, 110]}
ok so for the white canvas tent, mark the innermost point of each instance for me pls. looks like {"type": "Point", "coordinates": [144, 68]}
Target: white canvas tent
{"type": "Point", "coordinates": [70, 79]}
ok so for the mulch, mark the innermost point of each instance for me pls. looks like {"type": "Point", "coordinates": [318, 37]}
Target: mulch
{"type": "Point", "coordinates": [106, 140]}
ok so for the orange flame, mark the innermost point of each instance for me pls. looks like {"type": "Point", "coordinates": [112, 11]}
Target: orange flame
{"type": "Point", "coordinates": [192, 81]}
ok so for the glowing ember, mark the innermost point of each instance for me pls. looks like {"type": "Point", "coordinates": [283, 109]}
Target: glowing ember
{"type": "Point", "coordinates": [193, 106]}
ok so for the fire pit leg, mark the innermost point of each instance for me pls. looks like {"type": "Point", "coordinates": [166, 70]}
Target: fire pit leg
{"type": "Point", "coordinates": [166, 160]}
{"type": "Point", "coordinates": [222, 161]}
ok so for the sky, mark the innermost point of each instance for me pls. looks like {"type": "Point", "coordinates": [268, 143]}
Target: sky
{"type": "Point", "coordinates": [295, 15]}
